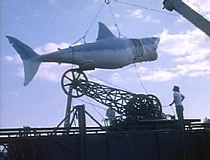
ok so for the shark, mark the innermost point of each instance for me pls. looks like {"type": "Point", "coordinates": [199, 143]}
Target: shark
{"type": "Point", "coordinates": [107, 52]}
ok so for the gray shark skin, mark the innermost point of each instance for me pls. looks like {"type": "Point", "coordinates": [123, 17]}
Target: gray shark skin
{"type": "Point", "coordinates": [107, 52]}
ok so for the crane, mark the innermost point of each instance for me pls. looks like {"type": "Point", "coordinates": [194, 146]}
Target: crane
{"type": "Point", "coordinates": [187, 12]}
{"type": "Point", "coordinates": [130, 106]}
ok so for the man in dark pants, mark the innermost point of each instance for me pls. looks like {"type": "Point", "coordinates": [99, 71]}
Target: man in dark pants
{"type": "Point", "coordinates": [178, 98]}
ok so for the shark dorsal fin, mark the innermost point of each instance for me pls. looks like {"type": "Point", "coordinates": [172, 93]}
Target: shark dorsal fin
{"type": "Point", "coordinates": [104, 32]}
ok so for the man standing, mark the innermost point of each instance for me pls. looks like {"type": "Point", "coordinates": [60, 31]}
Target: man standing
{"type": "Point", "coordinates": [110, 113]}
{"type": "Point", "coordinates": [178, 98]}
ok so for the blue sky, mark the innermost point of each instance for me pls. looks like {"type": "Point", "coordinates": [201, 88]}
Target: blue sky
{"type": "Point", "coordinates": [45, 25]}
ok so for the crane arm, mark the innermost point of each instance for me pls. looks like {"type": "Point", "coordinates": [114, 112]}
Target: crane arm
{"type": "Point", "coordinates": [187, 12]}
{"type": "Point", "coordinates": [124, 102]}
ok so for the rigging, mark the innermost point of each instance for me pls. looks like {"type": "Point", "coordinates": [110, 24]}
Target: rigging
{"type": "Point", "coordinates": [145, 8]}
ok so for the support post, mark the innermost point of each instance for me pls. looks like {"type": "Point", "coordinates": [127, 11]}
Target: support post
{"type": "Point", "coordinates": [82, 130]}
{"type": "Point", "coordinates": [68, 109]}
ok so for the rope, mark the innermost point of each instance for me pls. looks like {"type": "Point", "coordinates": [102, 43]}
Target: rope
{"type": "Point", "coordinates": [171, 108]}
{"type": "Point", "coordinates": [146, 8]}
{"type": "Point", "coordinates": [99, 11]}
{"type": "Point", "coordinates": [76, 41]}
{"type": "Point", "coordinates": [94, 20]}
{"type": "Point", "coordinates": [122, 2]}
{"type": "Point", "coordinates": [90, 104]}
{"type": "Point", "coordinates": [107, 82]}
{"type": "Point", "coordinates": [140, 79]}
{"type": "Point", "coordinates": [95, 108]}
{"type": "Point", "coordinates": [118, 30]}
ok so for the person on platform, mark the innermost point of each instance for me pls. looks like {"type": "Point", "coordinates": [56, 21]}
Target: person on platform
{"type": "Point", "coordinates": [110, 113]}
{"type": "Point", "coordinates": [178, 97]}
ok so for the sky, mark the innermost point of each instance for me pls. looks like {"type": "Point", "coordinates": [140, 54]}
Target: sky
{"type": "Point", "coordinates": [45, 25]}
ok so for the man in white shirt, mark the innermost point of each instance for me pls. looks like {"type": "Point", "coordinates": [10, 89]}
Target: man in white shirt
{"type": "Point", "coordinates": [178, 98]}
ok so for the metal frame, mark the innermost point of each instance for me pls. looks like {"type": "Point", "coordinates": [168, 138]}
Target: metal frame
{"type": "Point", "coordinates": [131, 107]}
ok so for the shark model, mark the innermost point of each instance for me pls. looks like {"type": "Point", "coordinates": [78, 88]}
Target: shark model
{"type": "Point", "coordinates": [107, 52]}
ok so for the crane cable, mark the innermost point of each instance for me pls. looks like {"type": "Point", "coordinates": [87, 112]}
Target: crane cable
{"type": "Point", "coordinates": [140, 78]}
{"type": "Point", "coordinates": [115, 22]}
{"type": "Point", "coordinates": [97, 14]}
{"type": "Point", "coordinates": [94, 107]}
{"type": "Point", "coordinates": [171, 108]}
{"type": "Point", "coordinates": [93, 20]}
{"type": "Point", "coordinates": [107, 82]}
{"type": "Point", "coordinates": [122, 2]}
{"type": "Point", "coordinates": [145, 8]}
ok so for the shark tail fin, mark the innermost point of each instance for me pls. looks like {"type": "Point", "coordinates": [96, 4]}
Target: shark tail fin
{"type": "Point", "coordinates": [31, 60]}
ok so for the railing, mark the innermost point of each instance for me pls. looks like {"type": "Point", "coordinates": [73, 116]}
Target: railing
{"type": "Point", "coordinates": [197, 126]}
{"type": "Point", "coordinates": [7, 135]}
{"type": "Point", "coordinates": [190, 124]}
{"type": "Point", "coordinates": [28, 131]}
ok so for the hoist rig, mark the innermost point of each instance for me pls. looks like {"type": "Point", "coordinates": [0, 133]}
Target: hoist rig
{"type": "Point", "coordinates": [131, 107]}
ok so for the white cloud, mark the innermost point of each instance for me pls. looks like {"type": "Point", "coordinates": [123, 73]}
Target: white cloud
{"type": "Point", "coordinates": [13, 59]}
{"type": "Point", "coordinates": [96, 80]}
{"type": "Point", "coordinates": [190, 46]}
{"type": "Point", "coordinates": [177, 44]}
{"type": "Point", "coordinates": [20, 71]}
{"type": "Point", "coordinates": [180, 20]}
{"type": "Point", "coordinates": [47, 71]}
{"type": "Point", "coordinates": [149, 19]}
{"type": "Point", "coordinates": [117, 15]}
{"type": "Point", "coordinates": [199, 56]}
{"type": "Point", "coordinates": [200, 6]}
{"type": "Point", "coordinates": [200, 68]}
{"type": "Point", "coordinates": [51, 71]}
{"type": "Point", "coordinates": [140, 69]}
{"type": "Point", "coordinates": [187, 55]}
{"type": "Point", "coordinates": [137, 13]}
{"type": "Point", "coordinates": [159, 76]}
{"type": "Point", "coordinates": [113, 28]}
{"type": "Point", "coordinates": [116, 78]}
{"type": "Point", "coordinates": [51, 47]}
